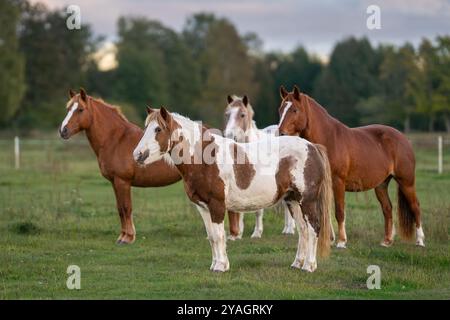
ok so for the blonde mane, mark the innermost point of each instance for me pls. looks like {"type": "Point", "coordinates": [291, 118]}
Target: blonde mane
{"type": "Point", "coordinates": [115, 108]}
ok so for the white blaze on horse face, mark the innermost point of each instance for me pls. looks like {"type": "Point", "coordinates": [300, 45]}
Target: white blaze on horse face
{"type": "Point", "coordinates": [230, 129]}
{"type": "Point", "coordinates": [69, 114]}
{"type": "Point", "coordinates": [286, 108]}
{"type": "Point", "coordinates": [148, 143]}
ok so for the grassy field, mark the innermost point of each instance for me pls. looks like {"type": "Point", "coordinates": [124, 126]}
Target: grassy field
{"type": "Point", "coordinates": [57, 210]}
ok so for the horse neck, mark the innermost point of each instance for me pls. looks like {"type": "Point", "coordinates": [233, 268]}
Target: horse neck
{"type": "Point", "coordinates": [320, 125]}
{"type": "Point", "coordinates": [106, 127]}
{"type": "Point", "coordinates": [252, 133]}
{"type": "Point", "coordinates": [193, 132]}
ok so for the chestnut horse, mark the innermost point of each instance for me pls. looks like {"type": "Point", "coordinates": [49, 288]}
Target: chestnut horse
{"type": "Point", "coordinates": [240, 126]}
{"type": "Point", "coordinates": [220, 174]}
{"type": "Point", "coordinates": [361, 158]}
{"type": "Point", "coordinates": [113, 138]}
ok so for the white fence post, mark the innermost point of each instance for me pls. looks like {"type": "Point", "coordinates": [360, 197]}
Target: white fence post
{"type": "Point", "coordinates": [440, 160]}
{"type": "Point", "coordinates": [17, 152]}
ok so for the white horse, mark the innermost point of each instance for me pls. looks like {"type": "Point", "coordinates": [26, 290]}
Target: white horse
{"type": "Point", "coordinates": [241, 127]}
{"type": "Point", "coordinates": [220, 174]}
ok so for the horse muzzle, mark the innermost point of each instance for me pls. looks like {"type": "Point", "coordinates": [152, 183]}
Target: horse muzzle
{"type": "Point", "coordinates": [140, 156]}
{"type": "Point", "coordinates": [64, 133]}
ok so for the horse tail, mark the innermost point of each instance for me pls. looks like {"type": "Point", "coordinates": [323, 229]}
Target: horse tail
{"type": "Point", "coordinates": [406, 217]}
{"type": "Point", "coordinates": [325, 204]}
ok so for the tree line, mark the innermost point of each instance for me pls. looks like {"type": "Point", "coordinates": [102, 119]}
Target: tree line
{"type": "Point", "coordinates": [193, 71]}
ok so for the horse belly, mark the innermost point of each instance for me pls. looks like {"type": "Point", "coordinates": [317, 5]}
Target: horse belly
{"type": "Point", "coordinates": [260, 194]}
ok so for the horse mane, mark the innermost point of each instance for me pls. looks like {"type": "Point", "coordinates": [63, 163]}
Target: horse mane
{"type": "Point", "coordinates": [116, 109]}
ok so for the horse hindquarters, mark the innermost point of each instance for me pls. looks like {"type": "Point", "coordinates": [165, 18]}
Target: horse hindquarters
{"type": "Point", "coordinates": [312, 213]}
{"type": "Point", "coordinates": [408, 205]}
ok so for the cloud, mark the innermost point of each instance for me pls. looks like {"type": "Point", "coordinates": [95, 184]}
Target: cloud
{"type": "Point", "coordinates": [283, 24]}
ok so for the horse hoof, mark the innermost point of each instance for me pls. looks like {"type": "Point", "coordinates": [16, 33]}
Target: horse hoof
{"type": "Point", "coordinates": [288, 231]}
{"type": "Point", "coordinates": [341, 245]}
{"type": "Point", "coordinates": [309, 267]}
{"type": "Point", "coordinates": [221, 267]}
{"type": "Point", "coordinates": [387, 244]}
{"type": "Point", "coordinates": [256, 235]}
{"type": "Point", "coordinates": [420, 243]}
{"type": "Point", "coordinates": [297, 264]}
{"type": "Point", "coordinates": [234, 238]}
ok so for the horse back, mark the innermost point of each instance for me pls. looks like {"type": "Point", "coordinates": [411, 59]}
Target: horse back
{"type": "Point", "coordinates": [373, 153]}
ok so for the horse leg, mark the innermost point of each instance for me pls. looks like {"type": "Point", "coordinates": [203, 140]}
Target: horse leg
{"type": "Point", "coordinates": [122, 190]}
{"type": "Point", "coordinates": [213, 216]}
{"type": "Point", "coordinates": [289, 222]}
{"type": "Point", "coordinates": [310, 211]}
{"type": "Point", "coordinates": [234, 220]}
{"type": "Point", "coordinates": [206, 216]}
{"type": "Point", "coordinates": [241, 225]}
{"type": "Point", "coordinates": [296, 212]}
{"type": "Point", "coordinates": [383, 197]}
{"type": "Point", "coordinates": [339, 203]}
{"type": "Point", "coordinates": [257, 233]}
{"type": "Point", "coordinates": [409, 211]}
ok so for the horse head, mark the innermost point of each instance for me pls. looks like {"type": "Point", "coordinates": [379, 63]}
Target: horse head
{"type": "Point", "coordinates": [238, 118]}
{"type": "Point", "coordinates": [293, 112]}
{"type": "Point", "coordinates": [156, 142]}
{"type": "Point", "coordinates": [79, 114]}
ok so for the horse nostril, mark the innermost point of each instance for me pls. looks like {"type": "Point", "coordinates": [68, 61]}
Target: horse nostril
{"type": "Point", "coordinates": [282, 134]}
{"type": "Point", "coordinates": [142, 156]}
{"type": "Point", "coordinates": [64, 132]}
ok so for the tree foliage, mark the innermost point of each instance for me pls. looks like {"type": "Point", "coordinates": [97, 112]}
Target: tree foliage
{"type": "Point", "coordinates": [193, 71]}
{"type": "Point", "coordinates": [12, 63]}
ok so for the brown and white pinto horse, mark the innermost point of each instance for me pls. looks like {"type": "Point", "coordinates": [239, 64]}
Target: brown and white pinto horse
{"type": "Point", "coordinates": [240, 126]}
{"type": "Point", "coordinates": [113, 138]}
{"type": "Point", "coordinates": [361, 158]}
{"type": "Point", "coordinates": [220, 174]}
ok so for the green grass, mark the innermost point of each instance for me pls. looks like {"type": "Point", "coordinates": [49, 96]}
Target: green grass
{"type": "Point", "coordinates": [57, 210]}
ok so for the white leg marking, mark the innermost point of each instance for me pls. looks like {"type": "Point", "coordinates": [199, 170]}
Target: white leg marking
{"type": "Point", "coordinates": [310, 264]}
{"type": "Point", "coordinates": [289, 222]}
{"type": "Point", "coordinates": [342, 244]}
{"type": "Point", "coordinates": [420, 237]}
{"type": "Point", "coordinates": [257, 233]}
{"type": "Point", "coordinates": [218, 234]}
{"type": "Point", "coordinates": [69, 114]}
{"type": "Point", "coordinates": [241, 225]}
{"type": "Point", "coordinates": [302, 232]}
{"type": "Point", "coordinates": [208, 225]}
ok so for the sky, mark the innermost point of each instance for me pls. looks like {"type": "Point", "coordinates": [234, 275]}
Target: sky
{"type": "Point", "coordinates": [283, 24]}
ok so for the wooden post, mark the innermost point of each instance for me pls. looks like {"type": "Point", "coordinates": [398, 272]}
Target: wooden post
{"type": "Point", "coordinates": [440, 160]}
{"type": "Point", "coordinates": [17, 152]}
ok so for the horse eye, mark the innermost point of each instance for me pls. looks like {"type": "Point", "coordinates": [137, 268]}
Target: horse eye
{"type": "Point", "coordinates": [157, 129]}
{"type": "Point", "coordinates": [242, 115]}
{"type": "Point", "coordinates": [295, 110]}
{"type": "Point", "coordinates": [80, 110]}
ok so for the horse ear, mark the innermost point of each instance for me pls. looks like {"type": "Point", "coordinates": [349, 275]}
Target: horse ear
{"type": "Point", "coordinates": [71, 93]}
{"type": "Point", "coordinates": [166, 116]}
{"type": "Point", "coordinates": [150, 110]}
{"type": "Point", "coordinates": [283, 92]}
{"type": "Point", "coordinates": [229, 99]}
{"type": "Point", "coordinates": [83, 94]}
{"type": "Point", "coordinates": [296, 92]}
{"type": "Point", "coordinates": [245, 100]}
